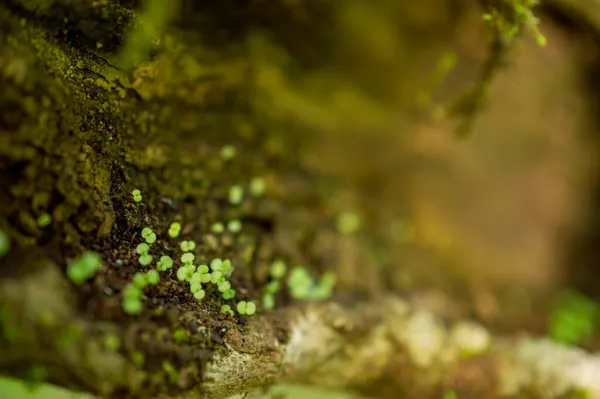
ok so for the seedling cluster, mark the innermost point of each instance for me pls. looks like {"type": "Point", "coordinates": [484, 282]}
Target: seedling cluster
{"type": "Point", "coordinates": [214, 276]}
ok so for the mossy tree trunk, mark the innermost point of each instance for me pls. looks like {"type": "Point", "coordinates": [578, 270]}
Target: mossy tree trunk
{"type": "Point", "coordinates": [82, 125]}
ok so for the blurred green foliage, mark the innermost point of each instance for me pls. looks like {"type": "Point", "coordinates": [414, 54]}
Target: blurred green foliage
{"type": "Point", "coordinates": [574, 318]}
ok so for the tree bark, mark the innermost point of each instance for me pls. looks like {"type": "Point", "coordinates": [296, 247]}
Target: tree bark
{"type": "Point", "coordinates": [79, 130]}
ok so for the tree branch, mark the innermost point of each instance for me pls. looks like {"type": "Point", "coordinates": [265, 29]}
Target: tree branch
{"type": "Point", "coordinates": [382, 347]}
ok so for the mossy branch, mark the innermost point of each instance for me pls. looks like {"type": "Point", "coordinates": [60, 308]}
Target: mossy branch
{"type": "Point", "coordinates": [71, 128]}
{"type": "Point", "coordinates": [383, 347]}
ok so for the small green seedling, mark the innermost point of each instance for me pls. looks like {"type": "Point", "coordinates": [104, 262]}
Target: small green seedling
{"type": "Point", "coordinates": [187, 246]}
{"type": "Point", "coordinates": [195, 286]}
{"type": "Point", "coordinates": [257, 186]}
{"type": "Point", "coordinates": [148, 235]}
{"type": "Point", "coordinates": [203, 269]}
{"type": "Point", "coordinates": [229, 294]}
{"type": "Point", "coordinates": [132, 302]}
{"type": "Point", "coordinates": [4, 243]}
{"type": "Point", "coordinates": [44, 220]}
{"type": "Point", "coordinates": [236, 195]}
{"type": "Point", "coordinates": [145, 258]}
{"type": "Point", "coordinates": [224, 286]}
{"type": "Point", "coordinates": [226, 268]}
{"type": "Point", "coordinates": [300, 283]}
{"type": "Point", "coordinates": [272, 287]}
{"type": "Point", "coordinates": [152, 277]}
{"type": "Point", "coordinates": [188, 258]}
{"type": "Point", "coordinates": [199, 295]}
{"type": "Point", "coordinates": [140, 280]}
{"type": "Point", "coordinates": [217, 228]}
{"type": "Point", "coordinates": [84, 268]}
{"type": "Point", "coordinates": [226, 309]}
{"type": "Point", "coordinates": [216, 264]}
{"type": "Point", "coordinates": [268, 301]}
{"type": "Point", "coordinates": [278, 269]}
{"type": "Point", "coordinates": [246, 308]}
{"type": "Point", "coordinates": [228, 152]}
{"type": "Point", "coordinates": [174, 229]}
{"type": "Point", "coordinates": [303, 287]}
{"type": "Point", "coordinates": [234, 226]}
{"type": "Point", "coordinates": [185, 273]}
{"type": "Point", "coordinates": [132, 306]}
{"type": "Point", "coordinates": [165, 263]}
{"type": "Point", "coordinates": [131, 291]}
{"type": "Point", "coordinates": [137, 195]}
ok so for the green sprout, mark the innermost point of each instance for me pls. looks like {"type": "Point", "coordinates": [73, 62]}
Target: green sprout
{"type": "Point", "coordinates": [185, 273]}
{"type": "Point", "coordinates": [303, 287]}
{"type": "Point", "coordinates": [272, 287]}
{"type": "Point", "coordinates": [236, 195]}
{"type": "Point", "coordinates": [44, 220]}
{"type": "Point", "coordinates": [348, 223]}
{"type": "Point", "coordinates": [142, 248]}
{"type": "Point", "coordinates": [195, 286]}
{"type": "Point", "coordinates": [246, 308]}
{"type": "Point", "coordinates": [203, 269]}
{"type": "Point", "coordinates": [188, 258]}
{"type": "Point", "coordinates": [226, 309]}
{"type": "Point", "coordinates": [300, 283]}
{"type": "Point", "coordinates": [132, 302]}
{"type": "Point", "coordinates": [226, 268]}
{"type": "Point", "coordinates": [187, 246]}
{"type": "Point", "coordinates": [278, 269]}
{"type": "Point", "coordinates": [216, 264]}
{"type": "Point", "coordinates": [257, 186]}
{"type": "Point", "coordinates": [234, 226]}
{"type": "Point", "coordinates": [217, 228]}
{"type": "Point", "coordinates": [148, 235]}
{"type": "Point", "coordinates": [145, 258]}
{"type": "Point", "coordinates": [228, 152]}
{"type": "Point", "coordinates": [4, 243]}
{"type": "Point", "coordinates": [152, 277]}
{"type": "Point", "coordinates": [84, 268]}
{"type": "Point", "coordinates": [216, 277]}
{"type": "Point", "coordinates": [140, 280]}
{"type": "Point", "coordinates": [165, 263]}
{"type": "Point", "coordinates": [131, 291]}
{"type": "Point", "coordinates": [174, 229]}
{"type": "Point", "coordinates": [137, 195]}
{"type": "Point", "coordinates": [224, 286]}
{"type": "Point", "coordinates": [268, 301]}
{"type": "Point", "coordinates": [229, 294]}
{"type": "Point", "coordinates": [199, 295]}
{"type": "Point", "coordinates": [324, 288]}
